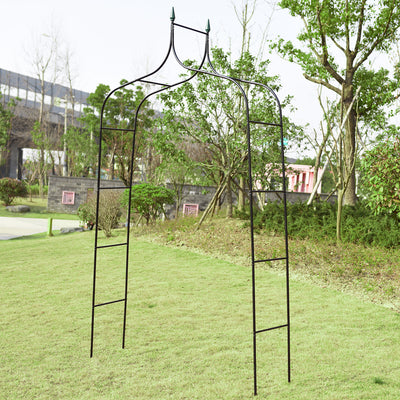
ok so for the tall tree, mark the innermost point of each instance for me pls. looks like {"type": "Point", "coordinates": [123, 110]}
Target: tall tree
{"type": "Point", "coordinates": [356, 29]}
{"type": "Point", "coordinates": [44, 56]}
{"type": "Point", "coordinates": [81, 151]}
{"type": "Point", "coordinates": [211, 112]}
{"type": "Point", "coordinates": [119, 113]}
{"type": "Point", "coordinates": [6, 116]}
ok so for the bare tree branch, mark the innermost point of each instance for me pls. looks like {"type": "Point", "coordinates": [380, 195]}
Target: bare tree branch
{"type": "Point", "coordinates": [323, 83]}
{"type": "Point", "coordinates": [360, 26]}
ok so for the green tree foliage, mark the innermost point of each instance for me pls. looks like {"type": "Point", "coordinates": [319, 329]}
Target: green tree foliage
{"type": "Point", "coordinates": [42, 142]}
{"type": "Point", "coordinates": [355, 30]}
{"type": "Point", "coordinates": [119, 113]}
{"type": "Point", "coordinates": [82, 151]}
{"type": "Point", "coordinates": [381, 177]}
{"type": "Point", "coordinates": [10, 189]}
{"type": "Point", "coordinates": [148, 200]}
{"type": "Point", "coordinates": [210, 112]}
{"type": "Point", "coordinates": [6, 116]}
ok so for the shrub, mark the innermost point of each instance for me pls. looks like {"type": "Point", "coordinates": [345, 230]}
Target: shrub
{"type": "Point", "coordinates": [87, 212]}
{"type": "Point", "coordinates": [109, 211]}
{"type": "Point", "coordinates": [380, 181]}
{"type": "Point", "coordinates": [148, 200]}
{"type": "Point", "coordinates": [10, 189]}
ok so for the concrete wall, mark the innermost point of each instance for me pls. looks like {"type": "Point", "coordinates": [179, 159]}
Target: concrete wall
{"type": "Point", "coordinates": [192, 194]}
{"type": "Point", "coordinates": [294, 197]}
{"type": "Point", "coordinates": [79, 186]}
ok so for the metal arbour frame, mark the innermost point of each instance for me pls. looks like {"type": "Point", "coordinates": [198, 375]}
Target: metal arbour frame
{"type": "Point", "coordinates": [279, 125]}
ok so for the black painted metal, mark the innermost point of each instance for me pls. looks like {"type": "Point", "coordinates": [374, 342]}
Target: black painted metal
{"type": "Point", "coordinates": [212, 72]}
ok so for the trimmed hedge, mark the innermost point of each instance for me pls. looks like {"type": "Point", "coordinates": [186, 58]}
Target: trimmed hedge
{"type": "Point", "coordinates": [318, 221]}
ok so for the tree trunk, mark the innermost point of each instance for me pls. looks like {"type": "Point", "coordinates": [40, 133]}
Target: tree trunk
{"type": "Point", "coordinates": [213, 203]}
{"type": "Point", "coordinates": [41, 173]}
{"type": "Point", "coordinates": [350, 197]}
{"type": "Point", "coordinates": [111, 166]}
{"type": "Point", "coordinates": [339, 216]}
{"type": "Point", "coordinates": [229, 207]}
{"type": "Point", "coordinates": [241, 198]}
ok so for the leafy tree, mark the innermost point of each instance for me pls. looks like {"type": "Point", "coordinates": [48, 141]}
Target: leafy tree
{"type": "Point", "coordinates": [148, 200]}
{"type": "Point", "coordinates": [6, 116]}
{"type": "Point", "coordinates": [42, 142]}
{"type": "Point", "coordinates": [44, 53]}
{"type": "Point", "coordinates": [81, 151]}
{"type": "Point", "coordinates": [356, 29]}
{"type": "Point", "coordinates": [381, 172]}
{"type": "Point", "coordinates": [119, 113]}
{"type": "Point", "coordinates": [210, 112]}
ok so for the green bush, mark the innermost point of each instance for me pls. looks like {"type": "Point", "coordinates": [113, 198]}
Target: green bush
{"type": "Point", "coordinates": [109, 211]}
{"type": "Point", "coordinates": [318, 221]}
{"type": "Point", "coordinates": [148, 200]}
{"type": "Point", "coordinates": [87, 212]}
{"type": "Point", "coordinates": [10, 189]}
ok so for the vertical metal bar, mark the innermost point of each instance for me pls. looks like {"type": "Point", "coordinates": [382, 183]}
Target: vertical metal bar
{"type": "Point", "coordinates": [96, 228]}
{"type": "Point", "coordinates": [253, 269]}
{"type": "Point", "coordinates": [96, 233]}
{"type": "Point", "coordinates": [126, 268]}
{"type": "Point", "coordinates": [93, 303]}
{"type": "Point", "coordinates": [127, 260]}
{"type": "Point", "coordinates": [129, 222]}
{"type": "Point", "coordinates": [286, 244]}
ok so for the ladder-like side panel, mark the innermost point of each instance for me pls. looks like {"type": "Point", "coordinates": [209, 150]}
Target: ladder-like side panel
{"type": "Point", "coordinates": [103, 247]}
{"type": "Point", "coordinates": [255, 261]}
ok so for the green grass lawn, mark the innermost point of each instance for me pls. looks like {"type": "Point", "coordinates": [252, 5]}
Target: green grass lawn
{"type": "Point", "coordinates": [188, 329]}
{"type": "Point", "coordinates": [38, 208]}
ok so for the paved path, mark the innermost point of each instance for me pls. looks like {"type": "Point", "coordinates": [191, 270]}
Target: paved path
{"type": "Point", "coordinates": [12, 227]}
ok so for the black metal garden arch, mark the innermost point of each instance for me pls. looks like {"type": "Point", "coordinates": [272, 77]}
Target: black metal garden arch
{"type": "Point", "coordinates": [252, 191]}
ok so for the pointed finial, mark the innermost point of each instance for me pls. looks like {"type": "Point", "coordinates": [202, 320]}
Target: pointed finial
{"type": "Point", "coordinates": [208, 26]}
{"type": "Point", "coordinates": [173, 15]}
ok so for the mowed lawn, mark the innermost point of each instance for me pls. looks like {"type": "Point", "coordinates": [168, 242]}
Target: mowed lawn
{"type": "Point", "coordinates": [189, 329]}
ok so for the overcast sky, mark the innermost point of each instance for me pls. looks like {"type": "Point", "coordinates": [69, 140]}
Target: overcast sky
{"type": "Point", "coordinates": [115, 39]}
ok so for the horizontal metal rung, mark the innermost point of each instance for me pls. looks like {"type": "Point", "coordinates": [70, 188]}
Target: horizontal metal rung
{"type": "Point", "coordinates": [264, 123]}
{"type": "Point", "coordinates": [154, 83]}
{"type": "Point", "coordinates": [115, 187]}
{"type": "Point", "coordinates": [190, 29]}
{"type": "Point", "coordinates": [270, 259]}
{"type": "Point", "coordinates": [109, 302]}
{"type": "Point", "coordinates": [111, 245]}
{"type": "Point", "coordinates": [117, 129]}
{"type": "Point", "coordinates": [271, 329]}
